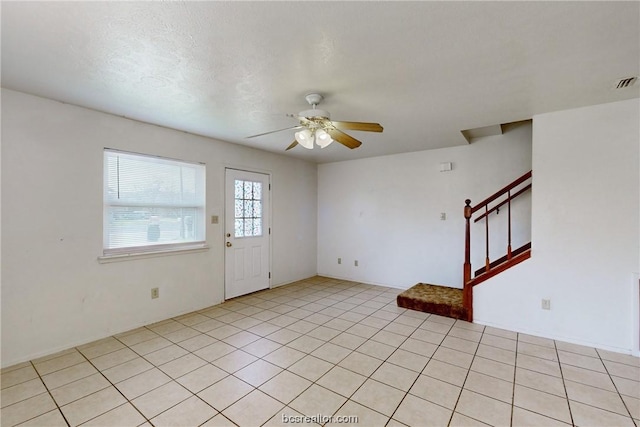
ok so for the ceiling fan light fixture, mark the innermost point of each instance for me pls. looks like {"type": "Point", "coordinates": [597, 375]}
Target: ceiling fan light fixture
{"type": "Point", "coordinates": [318, 128]}
{"type": "Point", "coordinates": [322, 138]}
{"type": "Point", "coordinates": [304, 138]}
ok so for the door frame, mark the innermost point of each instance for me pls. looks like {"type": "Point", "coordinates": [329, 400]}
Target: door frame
{"type": "Point", "coordinates": [224, 221]}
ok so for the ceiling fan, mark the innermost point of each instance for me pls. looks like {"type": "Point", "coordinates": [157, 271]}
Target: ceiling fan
{"type": "Point", "coordinates": [317, 128]}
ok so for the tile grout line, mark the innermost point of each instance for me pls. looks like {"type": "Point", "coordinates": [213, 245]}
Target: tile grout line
{"type": "Point", "coordinates": [541, 373]}
{"type": "Point", "coordinates": [564, 385]}
{"type": "Point", "coordinates": [155, 366]}
{"type": "Point", "coordinates": [50, 395]}
{"type": "Point", "coordinates": [116, 388]}
{"type": "Point", "coordinates": [453, 412]}
{"type": "Point", "coordinates": [543, 391]}
{"type": "Point", "coordinates": [430, 359]}
{"type": "Point", "coordinates": [566, 398]}
{"type": "Point", "coordinates": [337, 365]}
{"type": "Point", "coordinates": [54, 358]}
{"type": "Point", "coordinates": [286, 369]}
{"type": "Point", "coordinates": [616, 388]}
{"type": "Point", "coordinates": [515, 370]}
{"type": "Point", "coordinates": [516, 367]}
{"type": "Point", "coordinates": [186, 373]}
{"type": "Point", "coordinates": [375, 370]}
{"type": "Point", "coordinates": [367, 378]}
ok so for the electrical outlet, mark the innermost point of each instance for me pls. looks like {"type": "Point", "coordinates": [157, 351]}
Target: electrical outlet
{"type": "Point", "coordinates": [546, 304]}
{"type": "Point", "coordinates": [355, 263]}
{"type": "Point", "coordinates": [339, 260]}
{"type": "Point", "coordinates": [155, 293]}
{"type": "Point", "coordinates": [443, 216]}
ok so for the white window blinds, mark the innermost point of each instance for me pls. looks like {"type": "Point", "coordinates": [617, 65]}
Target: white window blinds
{"type": "Point", "coordinates": [151, 203]}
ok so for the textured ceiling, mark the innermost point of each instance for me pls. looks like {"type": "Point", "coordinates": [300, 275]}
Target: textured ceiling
{"type": "Point", "coordinates": [424, 70]}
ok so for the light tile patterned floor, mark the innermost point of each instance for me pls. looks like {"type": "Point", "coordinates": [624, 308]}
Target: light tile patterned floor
{"type": "Point", "coordinates": [322, 347]}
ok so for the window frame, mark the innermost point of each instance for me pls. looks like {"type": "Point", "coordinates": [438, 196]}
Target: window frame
{"type": "Point", "coordinates": [157, 248]}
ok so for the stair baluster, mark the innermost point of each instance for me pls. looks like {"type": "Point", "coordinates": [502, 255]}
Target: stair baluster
{"type": "Point", "coordinates": [467, 296]}
{"type": "Point", "coordinates": [509, 224]}
{"type": "Point", "coordinates": [487, 263]}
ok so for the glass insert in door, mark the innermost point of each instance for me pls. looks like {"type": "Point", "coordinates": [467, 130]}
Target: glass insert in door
{"type": "Point", "coordinates": [248, 208]}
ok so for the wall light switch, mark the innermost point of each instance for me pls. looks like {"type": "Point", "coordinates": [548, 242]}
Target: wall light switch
{"type": "Point", "coordinates": [546, 304]}
{"type": "Point", "coordinates": [443, 216]}
{"type": "Point", "coordinates": [214, 219]}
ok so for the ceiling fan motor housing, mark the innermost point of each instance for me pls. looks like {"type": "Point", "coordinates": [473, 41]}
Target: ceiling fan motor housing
{"type": "Point", "coordinates": [314, 99]}
{"type": "Point", "coordinates": [315, 113]}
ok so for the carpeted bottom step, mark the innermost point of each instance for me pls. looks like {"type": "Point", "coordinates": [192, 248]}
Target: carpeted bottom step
{"type": "Point", "coordinates": [434, 299]}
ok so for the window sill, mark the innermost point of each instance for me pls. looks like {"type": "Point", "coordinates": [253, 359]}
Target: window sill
{"type": "Point", "coordinates": [105, 259]}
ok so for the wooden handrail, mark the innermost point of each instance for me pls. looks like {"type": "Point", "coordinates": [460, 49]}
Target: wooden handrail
{"type": "Point", "coordinates": [500, 192]}
{"type": "Point", "coordinates": [496, 207]}
{"type": "Point", "coordinates": [490, 269]}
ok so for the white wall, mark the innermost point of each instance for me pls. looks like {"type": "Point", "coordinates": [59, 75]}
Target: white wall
{"type": "Point", "coordinates": [584, 232]}
{"type": "Point", "coordinates": [385, 211]}
{"type": "Point", "coordinates": [55, 294]}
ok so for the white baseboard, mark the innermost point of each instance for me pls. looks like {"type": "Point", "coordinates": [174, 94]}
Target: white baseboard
{"type": "Point", "coordinates": [351, 279]}
{"type": "Point", "coordinates": [571, 340]}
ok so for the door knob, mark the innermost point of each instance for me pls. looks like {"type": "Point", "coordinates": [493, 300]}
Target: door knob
{"type": "Point", "coordinates": [229, 244]}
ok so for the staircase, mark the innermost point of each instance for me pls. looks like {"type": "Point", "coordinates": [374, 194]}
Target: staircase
{"type": "Point", "coordinates": [458, 303]}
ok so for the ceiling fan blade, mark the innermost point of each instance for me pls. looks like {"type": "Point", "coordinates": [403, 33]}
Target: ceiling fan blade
{"type": "Point", "coordinates": [344, 139]}
{"type": "Point", "coordinates": [274, 131]}
{"type": "Point", "coordinates": [293, 144]}
{"type": "Point", "coordinates": [366, 127]}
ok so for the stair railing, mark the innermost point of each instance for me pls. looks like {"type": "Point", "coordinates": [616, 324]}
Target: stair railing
{"type": "Point", "coordinates": [489, 267]}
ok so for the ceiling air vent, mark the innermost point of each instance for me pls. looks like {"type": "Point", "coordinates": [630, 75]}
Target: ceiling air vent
{"type": "Point", "coordinates": [626, 82]}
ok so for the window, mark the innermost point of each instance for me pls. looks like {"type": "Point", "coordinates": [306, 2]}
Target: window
{"type": "Point", "coordinates": [248, 208]}
{"type": "Point", "coordinates": [151, 203]}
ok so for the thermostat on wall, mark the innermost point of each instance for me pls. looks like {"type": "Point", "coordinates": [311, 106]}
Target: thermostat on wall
{"type": "Point", "coordinates": [445, 167]}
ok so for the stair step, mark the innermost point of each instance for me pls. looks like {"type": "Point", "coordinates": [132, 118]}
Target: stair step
{"type": "Point", "coordinates": [434, 299]}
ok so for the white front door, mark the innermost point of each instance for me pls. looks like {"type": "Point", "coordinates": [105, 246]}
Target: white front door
{"type": "Point", "coordinates": [247, 232]}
